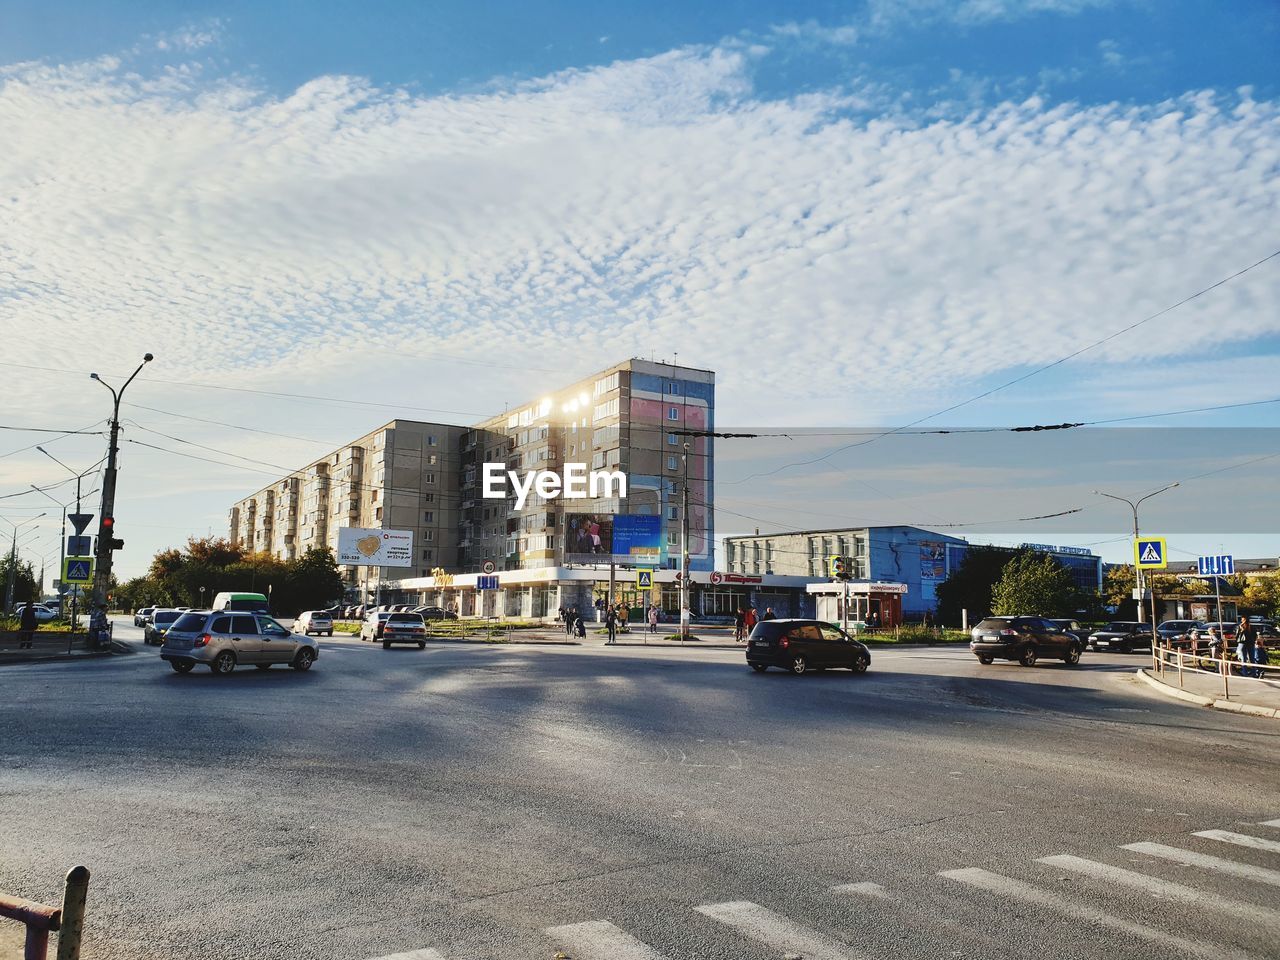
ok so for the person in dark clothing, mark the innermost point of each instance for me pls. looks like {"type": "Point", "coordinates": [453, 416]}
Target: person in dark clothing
{"type": "Point", "coordinates": [1246, 639]}
{"type": "Point", "coordinates": [769, 614]}
{"type": "Point", "coordinates": [570, 621]}
{"type": "Point", "coordinates": [739, 624]}
{"type": "Point", "coordinates": [27, 627]}
{"type": "Point", "coordinates": [611, 624]}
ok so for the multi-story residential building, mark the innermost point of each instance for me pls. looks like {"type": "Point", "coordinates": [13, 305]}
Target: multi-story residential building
{"type": "Point", "coordinates": [400, 477]}
{"type": "Point", "coordinates": [428, 477]}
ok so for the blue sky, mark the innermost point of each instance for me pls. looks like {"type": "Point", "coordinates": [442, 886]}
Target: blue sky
{"type": "Point", "coordinates": [856, 213]}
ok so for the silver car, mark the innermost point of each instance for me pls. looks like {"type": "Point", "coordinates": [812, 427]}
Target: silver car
{"type": "Point", "coordinates": [226, 639]}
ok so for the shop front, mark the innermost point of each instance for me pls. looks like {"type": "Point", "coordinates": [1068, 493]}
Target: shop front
{"type": "Point", "coordinates": [876, 603]}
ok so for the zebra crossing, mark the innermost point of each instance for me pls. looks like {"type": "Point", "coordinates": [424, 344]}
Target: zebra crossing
{"type": "Point", "coordinates": [788, 939]}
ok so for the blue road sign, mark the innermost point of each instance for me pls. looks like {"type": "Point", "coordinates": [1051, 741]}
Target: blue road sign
{"type": "Point", "coordinates": [79, 546]}
{"type": "Point", "coordinates": [1150, 553]}
{"type": "Point", "coordinates": [1223, 565]}
{"type": "Point", "coordinates": [77, 570]}
{"type": "Point", "coordinates": [79, 520]}
{"type": "Point", "coordinates": [644, 579]}
{"type": "Point", "coordinates": [487, 582]}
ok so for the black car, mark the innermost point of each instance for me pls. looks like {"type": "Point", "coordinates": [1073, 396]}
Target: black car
{"type": "Point", "coordinates": [804, 645]}
{"type": "Point", "coordinates": [1176, 633]}
{"type": "Point", "coordinates": [1123, 636]}
{"type": "Point", "coordinates": [1023, 639]}
{"type": "Point", "coordinates": [434, 613]}
{"type": "Point", "coordinates": [161, 620]}
{"type": "Point", "coordinates": [1074, 628]}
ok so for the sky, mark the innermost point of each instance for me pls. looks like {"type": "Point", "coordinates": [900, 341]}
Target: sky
{"type": "Point", "coordinates": [858, 214]}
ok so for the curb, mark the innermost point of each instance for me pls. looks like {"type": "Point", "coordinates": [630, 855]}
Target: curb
{"type": "Point", "coordinates": [57, 657]}
{"type": "Point", "coordinates": [1231, 706]}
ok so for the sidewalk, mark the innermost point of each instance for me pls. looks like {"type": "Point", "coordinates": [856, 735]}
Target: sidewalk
{"type": "Point", "coordinates": [1203, 689]}
{"type": "Point", "coordinates": [45, 647]}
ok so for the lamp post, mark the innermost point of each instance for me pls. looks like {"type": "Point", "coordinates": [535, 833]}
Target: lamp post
{"type": "Point", "coordinates": [62, 588]}
{"type": "Point", "coordinates": [106, 522]}
{"type": "Point", "coordinates": [202, 598]}
{"type": "Point", "coordinates": [684, 548]}
{"type": "Point", "coordinates": [13, 558]}
{"type": "Point", "coordinates": [1133, 506]}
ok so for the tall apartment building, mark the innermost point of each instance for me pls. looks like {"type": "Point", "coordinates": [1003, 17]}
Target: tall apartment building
{"type": "Point", "coordinates": [427, 477]}
{"type": "Point", "coordinates": [401, 476]}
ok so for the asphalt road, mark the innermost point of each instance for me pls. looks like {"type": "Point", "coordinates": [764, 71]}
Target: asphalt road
{"type": "Point", "coordinates": [474, 801]}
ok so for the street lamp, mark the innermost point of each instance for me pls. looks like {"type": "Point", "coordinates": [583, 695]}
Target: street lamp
{"type": "Point", "coordinates": [684, 548]}
{"type": "Point", "coordinates": [106, 521]}
{"type": "Point", "coordinates": [1133, 505]}
{"type": "Point", "coordinates": [13, 557]}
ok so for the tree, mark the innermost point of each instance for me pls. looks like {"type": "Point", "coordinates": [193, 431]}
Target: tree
{"type": "Point", "coordinates": [969, 587]}
{"type": "Point", "coordinates": [1262, 595]}
{"type": "Point", "coordinates": [1035, 583]}
{"type": "Point", "coordinates": [24, 582]}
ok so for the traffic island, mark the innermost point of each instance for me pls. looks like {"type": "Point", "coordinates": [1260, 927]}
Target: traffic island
{"type": "Point", "coordinates": [1254, 698]}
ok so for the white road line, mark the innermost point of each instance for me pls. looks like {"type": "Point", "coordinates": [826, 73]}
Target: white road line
{"type": "Point", "coordinates": [414, 955]}
{"type": "Point", "coordinates": [1241, 840]}
{"type": "Point", "coordinates": [1205, 862]}
{"type": "Point", "coordinates": [1270, 823]}
{"type": "Point", "coordinates": [865, 889]}
{"type": "Point", "coordinates": [1003, 886]}
{"type": "Point", "coordinates": [762, 924]}
{"type": "Point", "coordinates": [601, 940]}
{"type": "Point", "coordinates": [1164, 889]}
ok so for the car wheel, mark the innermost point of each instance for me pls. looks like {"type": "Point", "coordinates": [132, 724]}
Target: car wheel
{"type": "Point", "coordinates": [1028, 658]}
{"type": "Point", "coordinates": [759, 667]}
{"type": "Point", "coordinates": [181, 666]}
{"type": "Point", "coordinates": [224, 662]}
{"type": "Point", "coordinates": [304, 659]}
{"type": "Point", "coordinates": [1073, 655]}
{"type": "Point", "coordinates": [386, 644]}
{"type": "Point", "coordinates": [422, 644]}
{"type": "Point", "coordinates": [860, 664]}
{"type": "Point", "coordinates": [799, 666]}
{"type": "Point", "coordinates": [263, 666]}
{"type": "Point", "coordinates": [986, 660]}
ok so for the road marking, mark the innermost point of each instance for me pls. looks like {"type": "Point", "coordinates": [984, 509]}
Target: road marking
{"type": "Point", "coordinates": [423, 954]}
{"type": "Point", "coordinates": [1003, 886]}
{"type": "Point", "coordinates": [762, 924]}
{"type": "Point", "coordinates": [1204, 861]}
{"type": "Point", "coordinates": [1241, 840]}
{"type": "Point", "coordinates": [1270, 823]}
{"type": "Point", "coordinates": [1162, 889]}
{"type": "Point", "coordinates": [865, 889]}
{"type": "Point", "coordinates": [601, 940]}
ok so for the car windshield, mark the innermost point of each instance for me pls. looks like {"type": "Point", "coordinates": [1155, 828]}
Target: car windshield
{"type": "Point", "coordinates": [1119, 626]}
{"type": "Point", "coordinates": [190, 621]}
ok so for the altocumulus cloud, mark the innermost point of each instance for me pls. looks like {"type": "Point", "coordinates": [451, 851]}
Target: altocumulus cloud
{"type": "Point", "coordinates": [650, 204]}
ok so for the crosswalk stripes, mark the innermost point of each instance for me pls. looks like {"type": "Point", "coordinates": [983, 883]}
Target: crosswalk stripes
{"type": "Point", "coordinates": [1163, 889]}
{"type": "Point", "coordinates": [864, 889]}
{"type": "Point", "coordinates": [415, 955]}
{"type": "Point", "coordinates": [600, 940]}
{"type": "Point", "coordinates": [1241, 840]}
{"type": "Point", "coordinates": [1003, 886]}
{"type": "Point", "coordinates": [1203, 861]}
{"type": "Point", "coordinates": [774, 930]}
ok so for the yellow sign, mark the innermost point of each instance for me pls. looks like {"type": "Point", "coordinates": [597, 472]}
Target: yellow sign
{"type": "Point", "coordinates": [644, 579]}
{"type": "Point", "coordinates": [77, 570]}
{"type": "Point", "coordinates": [442, 578]}
{"type": "Point", "coordinates": [1150, 553]}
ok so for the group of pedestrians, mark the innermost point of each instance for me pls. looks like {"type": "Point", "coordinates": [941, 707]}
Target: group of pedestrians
{"type": "Point", "coordinates": [1251, 648]}
{"type": "Point", "coordinates": [745, 619]}
{"type": "Point", "coordinates": [574, 626]}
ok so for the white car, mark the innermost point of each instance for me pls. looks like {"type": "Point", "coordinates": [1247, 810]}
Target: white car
{"type": "Point", "coordinates": [313, 621]}
{"type": "Point", "coordinates": [389, 628]}
{"type": "Point", "coordinates": [43, 614]}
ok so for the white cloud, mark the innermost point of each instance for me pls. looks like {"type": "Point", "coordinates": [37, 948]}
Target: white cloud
{"type": "Point", "coordinates": [811, 31]}
{"type": "Point", "coordinates": [190, 38]}
{"type": "Point", "coordinates": [884, 13]}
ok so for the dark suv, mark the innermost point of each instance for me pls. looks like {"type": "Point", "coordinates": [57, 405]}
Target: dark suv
{"type": "Point", "coordinates": [804, 645]}
{"type": "Point", "coordinates": [1024, 639]}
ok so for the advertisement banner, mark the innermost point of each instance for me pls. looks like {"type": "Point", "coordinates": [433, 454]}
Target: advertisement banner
{"type": "Point", "coordinates": [933, 560]}
{"type": "Point", "coordinates": [588, 537]}
{"type": "Point", "coordinates": [362, 547]}
{"type": "Point", "coordinates": [637, 540]}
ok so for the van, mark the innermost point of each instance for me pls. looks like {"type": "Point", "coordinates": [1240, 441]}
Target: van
{"type": "Point", "coordinates": [248, 602]}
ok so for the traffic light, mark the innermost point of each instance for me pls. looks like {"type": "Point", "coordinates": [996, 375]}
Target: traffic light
{"type": "Point", "coordinates": [109, 531]}
{"type": "Point", "coordinates": [840, 568]}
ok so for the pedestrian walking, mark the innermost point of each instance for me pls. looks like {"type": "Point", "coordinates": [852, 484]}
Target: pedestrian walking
{"type": "Point", "coordinates": [750, 620]}
{"type": "Point", "coordinates": [653, 618]}
{"type": "Point", "coordinates": [1260, 653]}
{"type": "Point", "coordinates": [27, 626]}
{"type": "Point", "coordinates": [739, 624]}
{"type": "Point", "coordinates": [579, 625]}
{"type": "Point", "coordinates": [611, 624]}
{"type": "Point", "coordinates": [571, 621]}
{"type": "Point", "coordinates": [1246, 644]}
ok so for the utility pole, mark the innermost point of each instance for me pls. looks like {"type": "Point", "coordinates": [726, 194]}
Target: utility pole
{"type": "Point", "coordinates": [75, 590]}
{"type": "Point", "coordinates": [106, 520]}
{"type": "Point", "coordinates": [1133, 505]}
{"type": "Point", "coordinates": [684, 550]}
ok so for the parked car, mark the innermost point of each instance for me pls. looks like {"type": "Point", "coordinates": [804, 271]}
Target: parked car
{"type": "Point", "coordinates": [392, 628]}
{"type": "Point", "coordinates": [223, 640]}
{"type": "Point", "coordinates": [162, 618]}
{"type": "Point", "coordinates": [804, 645]}
{"type": "Point", "coordinates": [43, 614]}
{"type": "Point", "coordinates": [1023, 639]}
{"type": "Point", "coordinates": [1176, 633]}
{"type": "Point", "coordinates": [434, 613]}
{"type": "Point", "coordinates": [142, 615]}
{"type": "Point", "coordinates": [1199, 634]}
{"type": "Point", "coordinates": [1075, 628]}
{"type": "Point", "coordinates": [1122, 636]}
{"type": "Point", "coordinates": [314, 621]}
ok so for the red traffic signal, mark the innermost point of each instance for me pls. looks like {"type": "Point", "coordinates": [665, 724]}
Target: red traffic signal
{"type": "Point", "coordinates": [108, 529]}
{"type": "Point", "coordinates": [108, 523]}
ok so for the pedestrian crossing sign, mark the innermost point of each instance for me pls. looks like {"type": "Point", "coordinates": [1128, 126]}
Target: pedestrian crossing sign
{"type": "Point", "coordinates": [77, 570]}
{"type": "Point", "coordinates": [644, 579]}
{"type": "Point", "coordinates": [1150, 553]}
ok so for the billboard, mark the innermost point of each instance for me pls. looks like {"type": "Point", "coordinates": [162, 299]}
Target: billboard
{"type": "Point", "coordinates": [933, 560]}
{"type": "Point", "coordinates": [361, 547]}
{"type": "Point", "coordinates": [634, 540]}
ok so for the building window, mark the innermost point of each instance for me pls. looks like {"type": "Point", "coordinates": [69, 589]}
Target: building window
{"type": "Point", "coordinates": [377, 514]}
{"type": "Point", "coordinates": [673, 413]}
{"type": "Point", "coordinates": [671, 387]}
{"type": "Point", "coordinates": [374, 496]}
{"type": "Point", "coordinates": [672, 539]}
{"type": "Point", "coordinates": [673, 513]}
{"type": "Point", "coordinates": [432, 459]}
{"type": "Point", "coordinates": [608, 383]}
{"type": "Point", "coordinates": [672, 440]}
{"type": "Point", "coordinates": [428, 516]}
{"type": "Point", "coordinates": [428, 478]}
{"type": "Point", "coordinates": [431, 441]}
{"type": "Point", "coordinates": [428, 554]}
{"type": "Point", "coordinates": [671, 463]}
{"type": "Point", "coordinates": [428, 535]}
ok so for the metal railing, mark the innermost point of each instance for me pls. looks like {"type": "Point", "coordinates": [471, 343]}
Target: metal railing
{"type": "Point", "coordinates": [1206, 664]}
{"type": "Point", "coordinates": [67, 921]}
